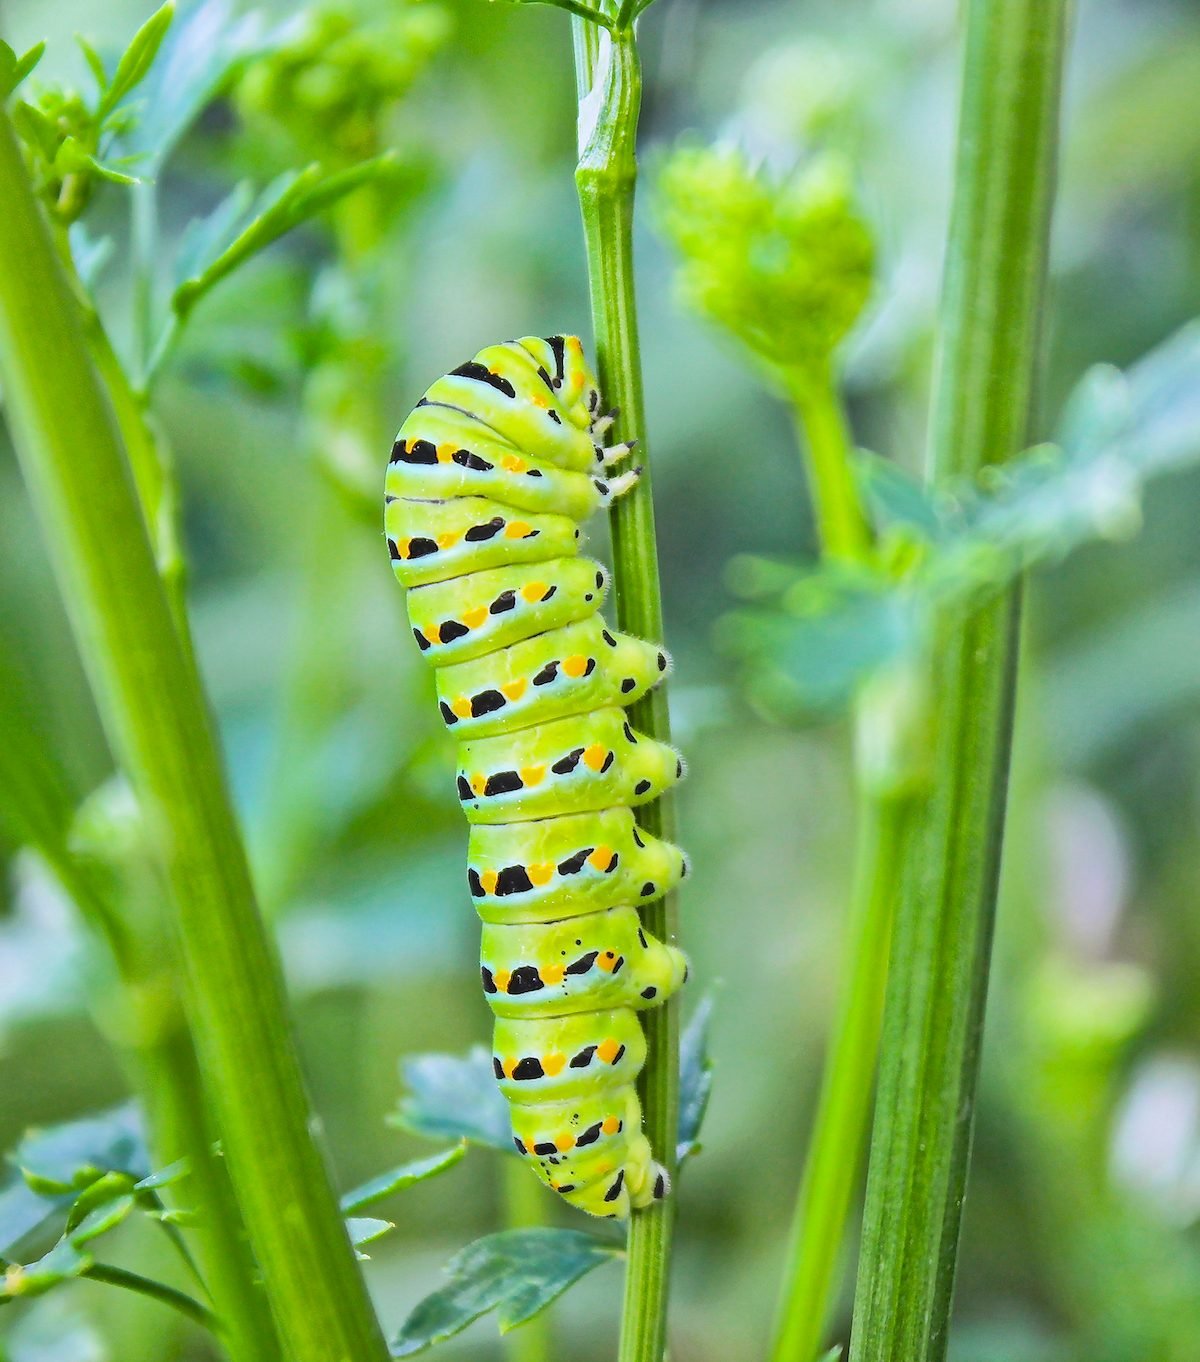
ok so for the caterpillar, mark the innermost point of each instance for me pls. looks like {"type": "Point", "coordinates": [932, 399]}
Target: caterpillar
{"type": "Point", "coordinates": [488, 481]}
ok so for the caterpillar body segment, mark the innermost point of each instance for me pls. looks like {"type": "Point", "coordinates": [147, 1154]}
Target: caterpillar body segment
{"type": "Point", "coordinates": [489, 479]}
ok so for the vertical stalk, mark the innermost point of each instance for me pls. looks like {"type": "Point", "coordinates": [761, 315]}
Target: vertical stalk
{"type": "Point", "coordinates": [609, 80]}
{"type": "Point", "coordinates": [987, 356]}
{"type": "Point", "coordinates": [73, 458]}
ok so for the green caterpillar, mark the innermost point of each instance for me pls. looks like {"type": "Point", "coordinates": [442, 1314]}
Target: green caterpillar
{"type": "Point", "coordinates": [488, 480]}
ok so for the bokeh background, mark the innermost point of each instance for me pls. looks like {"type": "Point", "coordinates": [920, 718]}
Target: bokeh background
{"type": "Point", "coordinates": [1081, 1226]}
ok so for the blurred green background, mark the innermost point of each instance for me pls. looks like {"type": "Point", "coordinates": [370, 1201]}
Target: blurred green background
{"type": "Point", "coordinates": [1081, 1227]}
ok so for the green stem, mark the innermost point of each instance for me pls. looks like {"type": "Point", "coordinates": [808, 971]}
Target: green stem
{"type": "Point", "coordinates": [159, 1291]}
{"type": "Point", "coordinates": [73, 458]}
{"type": "Point", "coordinates": [833, 1162]}
{"type": "Point", "coordinates": [988, 350]}
{"type": "Point", "coordinates": [609, 81]}
{"type": "Point", "coordinates": [845, 536]}
{"type": "Point", "coordinates": [526, 1204]}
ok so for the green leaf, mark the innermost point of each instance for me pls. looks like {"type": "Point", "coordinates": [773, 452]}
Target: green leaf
{"type": "Point", "coordinates": [70, 1157]}
{"type": "Point", "coordinates": [36, 130]}
{"type": "Point", "coordinates": [202, 53]}
{"type": "Point", "coordinates": [695, 1078]}
{"type": "Point", "coordinates": [95, 64]}
{"type": "Point", "coordinates": [290, 200]}
{"type": "Point", "coordinates": [25, 1213]}
{"type": "Point", "coordinates": [63, 1262]}
{"type": "Point", "coordinates": [73, 158]}
{"type": "Point", "coordinates": [206, 239]}
{"type": "Point", "coordinates": [101, 1220]}
{"type": "Point", "coordinates": [454, 1097]}
{"type": "Point", "coordinates": [137, 59]}
{"type": "Point", "coordinates": [397, 1179]}
{"type": "Point", "coordinates": [895, 497]}
{"type": "Point", "coordinates": [165, 1177]}
{"type": "Point", "coordinates": [365, 1230]}
{"type": "Point", "coordinates": [14, 69]}
{"type": "Point", "coordinates": [517, 1273]}
{"type": "Point", "coordinates": [111, 1187]}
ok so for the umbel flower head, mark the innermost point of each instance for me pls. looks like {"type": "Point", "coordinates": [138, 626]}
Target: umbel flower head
{"type": "Point", "coordinates": [784, 265]}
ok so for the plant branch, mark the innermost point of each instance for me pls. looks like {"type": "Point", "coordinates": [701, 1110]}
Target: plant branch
{"type": "Point", "coordinates": [159, 1291]}
{"type": "Point", "coordinates": [609, 81]}
{"type": "Point", "coordinates": [73, 458]}
{"type": "Point", "coordinates": [841, 523]}
{"type": "Point", "coordinates": [987, 358]}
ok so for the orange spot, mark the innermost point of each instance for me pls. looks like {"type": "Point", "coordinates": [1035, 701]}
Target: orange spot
{"type": "Point", "coordinates": [601, 858]}
{"type": "Point", "coordinates": [502, 976]}
{"type": "Point", "coordinates": [533, 775]}
{"type": "Point", "coordinates": [539, 401]}
{"type": "Point", "coordinates": [402, 547]}
{"type": "Point", "coordinates": [478, 784]}
{"type": "Point", "coordinates": [534, 591]}
{"type": "Point", "coordinates": [540, 873]}
{"type": "Point", "coordinates": [508, 1065]}
{"type": "Point", "coordinates": [595, 756]}
{"type": "Point", "coordinates": [605, 961]}
{"type": "Point", "coordinates": [512, 464]}
{"type": "Point", "coordinates": [489, 879]}
{"type": "Point", "coordinates": [447, 541]}
{"type": "Point", "coordinates": [575, 665]}
{"type": "Point", "coordinates": [553, 1065]}
{"type": "Point", "coordinates": [564, 1142]}
{"type": "Point", "coordinates": [517, 529]}
{"type": "Point", "coordinates": [610, 1125]}
{"type": "Point", "coordinates": [513, 690]}
{"type": "Point", "coordinates": [434, 633]}
{"type": "Point", "coordinates": [607, 1049]}
{"type": "Point", "coordinates": [474, 617]}
{"type": "Point", "coordinates": [552, 974]}
{"type": "Point", "coordinates": [445, 453]}
{"type": "Point", "coordinates": [462, 707]}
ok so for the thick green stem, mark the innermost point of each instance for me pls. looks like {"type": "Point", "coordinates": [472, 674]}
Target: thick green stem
{"type": "Point", "coordinates": [609, 81]}
{"type": "Point", "coordinates": [73, 458]}
{"type": "Point", "coordinates": [987, 359]}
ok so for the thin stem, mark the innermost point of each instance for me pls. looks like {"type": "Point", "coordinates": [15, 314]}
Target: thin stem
{"type": "Point", "coordinates": [526, 1204]}
{"type": "Point", "coordinates": [609, 80]}
{"type": "Point", "coordinates": [833, 1162]}
{"type": "Point", "coordinates": [988, 350]}
{"type": "Point", "coordinates": [841, 523]}
{"type": "Point", "coordinates": [159, 1291]}
{"type": "Point", "coordinates": [73, 458]}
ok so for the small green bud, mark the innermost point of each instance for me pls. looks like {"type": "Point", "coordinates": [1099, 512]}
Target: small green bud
{"type": "Point", "coordinates": [785, 266]}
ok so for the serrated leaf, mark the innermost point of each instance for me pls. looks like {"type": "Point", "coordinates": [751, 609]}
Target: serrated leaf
{"type": "Point", "coordinates": [397, 1179]}
{"type": "Point", "coordinates": [110, 1187]}
{"type": "Point", "coordinates": [205, 239]}
{"type": "Point", "coordinates": [366, 1230]}
{"type": "Point", "coordinates": [454, 1097]}
{"type": "Point", "coordinates": [289, 201]}
{"type": "Point", "coordinates": [14, 69]}
{"type": "Point", "coordinates": [63, 1262]}
{"type": "Point", "coordinates": [517, 1273]}
{"type": "Point", "coordinates": [70, 1157]}
{"type": "Point", "coordinates": [202, 52]}
{"type": "Point", "coordinates": [695, 1078]}
{"type": "Point", "coordinates": [137, 59]}
{"type": "Point", "coordinates": [101, 1220]}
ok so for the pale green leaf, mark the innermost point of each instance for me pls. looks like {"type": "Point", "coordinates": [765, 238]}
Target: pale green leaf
{"type": "Point", "coordinates": [517, 1273]}
{"type": "Point", "coordinates": [137, 59]}
{"type": "Point", "coordinates": [695, 1078]}
{"type": "Point", "coordinates": [14, 69]}
{"type": "Point", "coordinates": [94, 61]}
{"type": "Point", "coordinates": [366, 1230]}
{"type": "Point", "coordinates": [70, 1157]}
{"type": "Point", "coordinates": [454, 1097]}
{"type": "Point", "coordinates": [35, 129]}
{"type": "Point", "coordinates": [63, 1262]}
{"type": "Point", "coordinates": [111, 1187]}
{"type": "Point", "coordinates": [101, 1220]}
{"type": "Point", "coordinates": [397, 1179]}
{"type": "Point", "coordinates": [73, 158]}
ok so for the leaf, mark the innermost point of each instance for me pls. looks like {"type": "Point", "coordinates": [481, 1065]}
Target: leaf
{"type": "Point", "coordinates": [365, 1230]}
{"type": "Point", "coordinates": [95, 64]}
{"type": "Point", "coordinates": [397, 1179]}
{"type": "Point", "coordinates": [111, 1187]}
{"type": "Point", "coordinates": [63, 1262]}
{"type": "Point", "coordinates": [517, 1273]}
{"type": "Point", "coordinates": [202, 52]}
{"type": "Point", "coordinates": [36, 130]}
{"type": "Point", "coordinates": [454, 1097]}
{"type": "Point", "coordinates": [14, 69]}
{"type": "Point", "coordinates": [290, 200]}
{"type": "Point", "coordinates": [136, 60]}
{"type": "Point", "coordinates": [895, 497]}
{"type": "Point", "coordinates": [695, 1078]}
{"type": "Point", "coordinates": [70, 1157]}
{"type": "Point", "coordinates": [165, 1177]}
{"type": "Point", "coordinates": [23, 1213]}
{"type": "Point", "coordinates": [71, 157]}
{"type": "Point", "coordinates": [205, 239]}
{"type": "Point", "coordinates": [101, 1220]}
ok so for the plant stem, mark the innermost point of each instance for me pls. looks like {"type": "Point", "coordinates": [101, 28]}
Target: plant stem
{"type": "Point", "coordinates": [74, 461]}
{"type": "Point", "coordinates": [525, 1204]}
{"type": "Point", "coordinates": [845, 537]}
{"type": "Point", "coordinates": [609, 81]}
{"type": "Point", "coordinates": [159, 1291]}
{"type": "Point", "coordinates": [988, 350]}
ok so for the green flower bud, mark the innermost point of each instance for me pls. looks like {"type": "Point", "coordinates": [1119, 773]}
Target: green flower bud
{"type": "Point", "coordinates": [786, 267]}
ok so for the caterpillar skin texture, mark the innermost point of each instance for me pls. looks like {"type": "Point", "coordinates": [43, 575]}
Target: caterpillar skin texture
{"type": "Point", "coordinates": [489, 479]}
